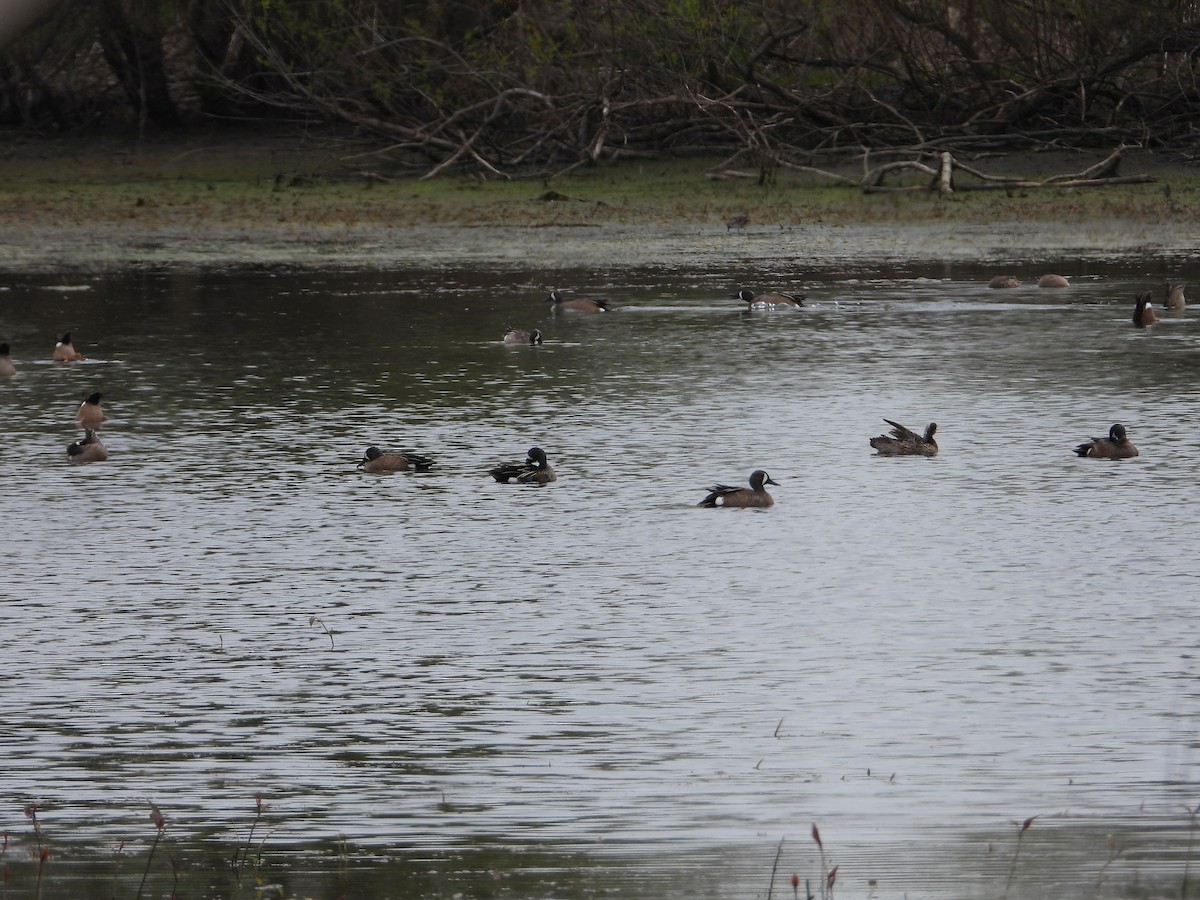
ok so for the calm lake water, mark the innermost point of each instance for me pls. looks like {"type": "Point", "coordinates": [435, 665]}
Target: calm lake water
{"type": "Point", "coordinates": [441, 685]}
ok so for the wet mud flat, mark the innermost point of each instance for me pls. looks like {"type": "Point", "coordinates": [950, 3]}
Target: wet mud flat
{"type": "Point", "coordinates": [84, 207]}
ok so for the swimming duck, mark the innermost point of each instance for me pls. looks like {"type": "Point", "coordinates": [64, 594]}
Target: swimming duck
{"type": "Point", "coordinates": [903, 442]}
{"type": "Point", "coordinates": [1053, 281]}
{"type": "Point", "coordinates": [535, 470]}
{"type": "Point", "coordinates": [375, 460]}
{"type": "Point", "coordinates": [1115, 446]}
{"type": "Point", "coordinates": [1175, 299]}
{"type": "Point", "coordinates": [1005, 281]}
{"type": "Point", "coordinates": [517, 337]}
{"type": "Point", "coordinates": [772, 300]}
{"type": "Point", "coordinates": [575, 306]}
{"type": "Point", "coordinates": [64, 350]}
{"type": "Point", "coordinates": [6, 363]}
{"type": "Point", "coordinates": [739, 497]}
{"type": "Point", "coordinates": [88, 449]}
{"type": "Point", "coordinates": [1143, 312]}
{"type": "Point", "coordinates": [90, 415]}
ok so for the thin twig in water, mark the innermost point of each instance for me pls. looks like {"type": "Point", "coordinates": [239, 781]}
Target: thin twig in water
{"type": "Point", "coordinates": [774, 868]}
{"type": "Point", "coordinates": [160, 823]}
{"type": "Point", "coordinates": [317, 620]}
{"type": "Point", "coordinates": [1012, 869]}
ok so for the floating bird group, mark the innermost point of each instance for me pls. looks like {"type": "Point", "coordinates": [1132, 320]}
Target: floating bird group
{"type": "Point", "coordinates": [536, 469]}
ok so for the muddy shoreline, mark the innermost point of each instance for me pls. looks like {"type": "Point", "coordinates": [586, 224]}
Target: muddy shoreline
{"type": "Point", "coordinates": [181, 208]}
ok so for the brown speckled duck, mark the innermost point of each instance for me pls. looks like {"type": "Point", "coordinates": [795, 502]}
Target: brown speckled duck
{"type": "Point", "coordinates": [903, 442]}
{"type": "Point", "coordinates": [515, 337]}
{"type": "Point", "coordinates": [378, 462]}
{"type": "Point", "coordinates": [1115, 446]}
{"type": "Point", "coordinates": [1175, 299]}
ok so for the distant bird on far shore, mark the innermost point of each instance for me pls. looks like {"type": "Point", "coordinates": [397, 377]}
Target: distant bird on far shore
{"type": "Point", "coordinates": [1053, 281]}
{"type": "Point", "coordinates": [6, 363]}
{"type": "Point", "coordinates": [90, 416]}
{"type": "Point", "coordinates": [1143, 312]}
{"type": "Point", "coordinates": [737, 223]}
{"type": "Point", "coordinates": [87, 449]}
{"type": "Point", "coordinates": [517, 337]}
{"type": "Point", "coordinates": [903, 442]}
{"type": "Point", "coordinates": [1175, 299]}
{"type": "Point", "coordinates": [1115, 446]}
{"type": "Point", "coordinates": [64, 350]}
{"type": "Point", "coordinates": [1005, 281]}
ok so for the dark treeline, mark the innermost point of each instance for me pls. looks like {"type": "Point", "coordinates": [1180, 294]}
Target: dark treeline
{"type": "Point", "coordinates": [509, 85]}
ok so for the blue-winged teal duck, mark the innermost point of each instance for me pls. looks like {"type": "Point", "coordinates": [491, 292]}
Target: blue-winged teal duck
{"type": "Point", "coordinates": [535, 470]}
{"type": "Point", "coordinates": [903, 442]}
{"type": "Point", "coordinates": [1053, 281]}
{"type": "Point", "coordinates": [1175, 299]}
{"type": "Point", "coordinates": [375, 460]}
{"type": "Point", "coordinates": [64, 350]}
{"type": "Point", "coordinates": [1115, 446]}
{"type": "Point", "coordinates": [1005, 281]}
{"type": "Point", "coordinates": [1143, 312]}
{"type": "Point", "coordinates": [737, 223]}
{"type": "Point", "coordinates": [561, 305]}
{"type": "Point", "coordinates": [772, 300]}
{"type": "Point", "coordinates": [754, 496]}
{"type": "Point", "coordinates": [517, 337]}
{"type": "Point", "coordinates": [90, 416]}
{"type": "Point", "coordinates": [88, 449]}
{"type": "Point", "coordinates": [6, 363]}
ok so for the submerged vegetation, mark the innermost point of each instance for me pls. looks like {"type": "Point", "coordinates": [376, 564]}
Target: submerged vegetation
{"type": "Point", "coordinates": [1068, 858]}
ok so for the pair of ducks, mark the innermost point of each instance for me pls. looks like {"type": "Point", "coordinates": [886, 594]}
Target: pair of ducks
{"type": "Point", "coordinates": [903, 442]}
{"type": "Point", "coordinates": [1046, 281]}
{"type": "Point", "coordinates": [64, 351]}
{"type": "Point", "coordinates": [89, 417]}
{"type": "Point", "coordinates": [536, 469]}
{"type": "Point", "coordinates": [1143, 312]}
{"type": "Point", "coordinates": [559, 305]}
